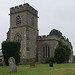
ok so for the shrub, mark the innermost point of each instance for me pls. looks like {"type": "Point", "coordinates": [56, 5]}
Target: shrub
{"type": "Point", "coordinates": [11, 49]}
{"type": "Point", "coordinates": [47, 60]}
{"type": "Point", "coordinates": [60, 55]}
{"type": "Point", "coordinates": [50, 59]}
{"type": "Point", "coordinates": [62, 52]}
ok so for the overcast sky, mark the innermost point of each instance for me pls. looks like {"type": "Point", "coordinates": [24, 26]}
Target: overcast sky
{"type": "Point", "coordinates": [53, 14]}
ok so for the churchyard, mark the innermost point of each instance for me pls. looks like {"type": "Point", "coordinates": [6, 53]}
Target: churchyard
{"type": "Point", "coordinates": [31, 68]}
{"type": "Point", "coordinates": [40, 69]}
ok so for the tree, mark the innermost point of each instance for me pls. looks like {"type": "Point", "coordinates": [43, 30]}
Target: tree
{"type": "Point", "coordinates": [67, 49]}
{"type": "Point", "coordinates": [55, 32]}
{"type": "Point", "coordinates": [11, 49]}
{"type": "Point", "coordinates": [60, 55]}
{"type": "Point", "coordinates": [62, 52]}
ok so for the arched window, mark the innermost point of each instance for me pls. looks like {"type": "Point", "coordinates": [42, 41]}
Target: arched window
{"type": "Point", "coordinates": [46, 51]}
{"type": "Point", "coordinates": [18, 38]}
{"type": "Point", "coordinates": [18, 20]}
{"type": "Point", "coordinates": [33, 21]}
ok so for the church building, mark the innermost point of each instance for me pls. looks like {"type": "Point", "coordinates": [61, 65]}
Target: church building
{"type": "Point", "coordinates": [24, 28]}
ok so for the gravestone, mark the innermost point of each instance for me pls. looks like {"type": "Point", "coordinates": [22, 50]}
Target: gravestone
{"type": "Point", "coordinates": [32, 62]}
{"type": "Point", "coordinates": [12, 64]}
{"type": "Point", "coordinates": [3, 62]}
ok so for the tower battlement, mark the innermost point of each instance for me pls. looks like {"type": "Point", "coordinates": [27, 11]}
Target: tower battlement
{"type": "Point", "coordinates": [22, 8]}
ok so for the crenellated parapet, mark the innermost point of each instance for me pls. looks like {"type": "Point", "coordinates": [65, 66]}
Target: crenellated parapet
{"type": "Point", "coordinates": [47, 37]}
{"type": "Point", "coordinates": [23, 8]}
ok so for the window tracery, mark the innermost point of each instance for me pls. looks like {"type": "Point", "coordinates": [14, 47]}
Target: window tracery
{"type": "Point", "coordinates": [46, 51]}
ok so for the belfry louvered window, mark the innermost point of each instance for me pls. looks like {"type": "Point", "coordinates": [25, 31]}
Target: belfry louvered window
{"type": "Point", "coordinates": [18, 20]}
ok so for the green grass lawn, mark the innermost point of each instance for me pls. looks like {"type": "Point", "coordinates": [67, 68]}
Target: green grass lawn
{"type": "Point", "coordinates": [41, 69]}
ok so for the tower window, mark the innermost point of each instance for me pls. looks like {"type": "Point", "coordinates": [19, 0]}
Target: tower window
{"type": "Point", "coordinates": [18, 20]}
{"type": "Point", "coordinates": [18, 38]}
{"type": "Point", "coordinates": [32, 21]}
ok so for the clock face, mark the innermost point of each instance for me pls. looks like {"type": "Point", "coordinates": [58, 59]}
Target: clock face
{"type": "Point", "coordinates": [18, 20]}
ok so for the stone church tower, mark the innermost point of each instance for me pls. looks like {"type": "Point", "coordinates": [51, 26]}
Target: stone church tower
{"type": "Point", "coordinates": [23, 28]}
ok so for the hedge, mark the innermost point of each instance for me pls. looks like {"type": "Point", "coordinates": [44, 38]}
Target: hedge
{"type": "Point", "coordinates": [11, 49]}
